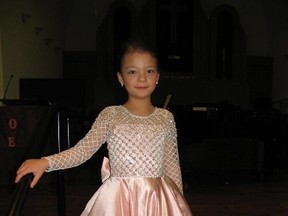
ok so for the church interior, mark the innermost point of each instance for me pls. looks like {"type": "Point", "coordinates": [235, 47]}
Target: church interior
{"type": "Point", "coordinates": [223, 73]}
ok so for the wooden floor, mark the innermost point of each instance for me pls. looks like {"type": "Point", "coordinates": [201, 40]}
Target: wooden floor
{"type": "Point", "coordinates": [268, 198]}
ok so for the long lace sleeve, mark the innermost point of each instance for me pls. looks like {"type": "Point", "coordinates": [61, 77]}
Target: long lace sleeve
{"type": "Point", "coordinates": [171, 159]}
{"type": "Point", "coordinates": [85, 148]}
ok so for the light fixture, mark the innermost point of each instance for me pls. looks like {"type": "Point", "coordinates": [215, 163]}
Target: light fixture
{"type": "Point", "coordinates": [57, 49]}
{"type": "Point", "coordinates": [24, 17]}
{"type": "Point", "coordinates": [94, 12]}
{"type": "Point", "coordinates": [38, 30]}
{"type": "Point", "coordinates": [48, 41]}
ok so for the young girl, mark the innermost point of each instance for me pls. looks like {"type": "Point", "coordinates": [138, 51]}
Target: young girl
{"type": "Point", "coordinates": [145, 177]}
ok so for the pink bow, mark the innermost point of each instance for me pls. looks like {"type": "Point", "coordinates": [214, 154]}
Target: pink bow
{"type": "Point", "coordinates": [105, 169]}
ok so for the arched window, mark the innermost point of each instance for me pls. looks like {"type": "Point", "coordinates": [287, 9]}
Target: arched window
{"type": "Point", "coordinates": [224, 46]}
{"type": "Point", "coordinates": [227, 45]}
{"type": "Point", "coordinates": [174, 35]}
{"type": "Point", "coordinates": [121, 29]}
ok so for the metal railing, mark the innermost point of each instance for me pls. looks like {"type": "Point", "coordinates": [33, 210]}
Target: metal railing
{"type": "Point", "coordinates": [34, 149]}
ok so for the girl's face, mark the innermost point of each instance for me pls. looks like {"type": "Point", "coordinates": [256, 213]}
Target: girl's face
{"type": "Point", "coordinates": [139, 74]}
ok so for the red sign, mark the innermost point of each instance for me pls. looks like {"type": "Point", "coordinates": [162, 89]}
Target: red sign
{"type": "Point", "coordinates": [17, 126]}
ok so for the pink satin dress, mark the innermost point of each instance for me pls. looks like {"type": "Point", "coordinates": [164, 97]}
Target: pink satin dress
{"type": "Point", "coordinates": [142, 176]}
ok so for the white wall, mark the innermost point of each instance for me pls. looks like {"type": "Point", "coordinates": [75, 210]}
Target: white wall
{"type": "Point", "coordinates": [1, 70]}
{"type": "Point", "coordinates": [25, 54]}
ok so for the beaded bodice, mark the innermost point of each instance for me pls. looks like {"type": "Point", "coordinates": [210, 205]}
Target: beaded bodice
{"type": "Point", "coordinates": [138, 146]}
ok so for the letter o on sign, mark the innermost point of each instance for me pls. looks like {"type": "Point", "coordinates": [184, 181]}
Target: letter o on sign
{"type": "Point", "coordinates": [12, 123]}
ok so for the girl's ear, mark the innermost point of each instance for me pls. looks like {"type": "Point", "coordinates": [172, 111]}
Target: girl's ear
{"type": "Point", "coordinates": [158, 77]}
{"type": "Point", "coordinates": [120, 79]}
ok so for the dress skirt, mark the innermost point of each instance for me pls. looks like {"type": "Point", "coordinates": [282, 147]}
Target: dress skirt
{"type": "Point", "coordinates": [135, 196]}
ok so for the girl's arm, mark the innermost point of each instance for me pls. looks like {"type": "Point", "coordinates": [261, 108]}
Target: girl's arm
{"type": "Point", "coordinates": [171, 157]}
{"type": "Point", "coordinates": [72, 157]}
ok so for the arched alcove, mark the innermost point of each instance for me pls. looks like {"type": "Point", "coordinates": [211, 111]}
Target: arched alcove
{"type": "Point", "coordinates": [224, 45]}
{"type": "Point", "coordinates": [228, 45]}
{"type": "Point", "coordinates": [174, 35]}
{"type": "Point", "coordinates": [122, 20]}
{"type": "Point", "coordinates": [118, 25]}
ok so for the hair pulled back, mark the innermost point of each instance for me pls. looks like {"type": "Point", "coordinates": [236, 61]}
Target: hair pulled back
{"type": "Point", "coordinates": [136, 44]}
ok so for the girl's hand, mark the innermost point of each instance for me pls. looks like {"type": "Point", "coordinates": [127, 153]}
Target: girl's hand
{"type": "Point", "coordinates": [35, 166]}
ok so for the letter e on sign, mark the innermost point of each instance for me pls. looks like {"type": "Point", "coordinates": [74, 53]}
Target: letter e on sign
{"type": "Point", "coordinates": [11, 142]}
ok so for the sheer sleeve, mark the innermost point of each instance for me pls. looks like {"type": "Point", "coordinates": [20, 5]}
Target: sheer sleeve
{"type": "Point", "coordinates": [85, 148]}
{"type": "Point", "coordinates": [171, 158]}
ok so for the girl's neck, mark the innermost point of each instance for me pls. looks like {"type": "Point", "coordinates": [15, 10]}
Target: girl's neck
{"type": "Point", "coordinates": [140, 107]}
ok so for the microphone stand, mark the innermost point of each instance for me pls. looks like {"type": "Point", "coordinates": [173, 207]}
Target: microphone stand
{"type": "Point", "coordinates": [6, 89]}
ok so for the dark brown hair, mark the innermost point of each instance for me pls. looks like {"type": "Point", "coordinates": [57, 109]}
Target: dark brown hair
{"type": "Point", "coordinates": [134, 45]}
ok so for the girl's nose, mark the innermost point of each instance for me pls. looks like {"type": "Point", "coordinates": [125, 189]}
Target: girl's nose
{"type": "Point", "coordinates": [142, 77]}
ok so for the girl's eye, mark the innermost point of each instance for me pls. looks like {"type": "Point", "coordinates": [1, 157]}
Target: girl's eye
{"type": "Point", "coordinates": [131, 72]}
{"type": "Point", "coordinates": [151, 71]}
